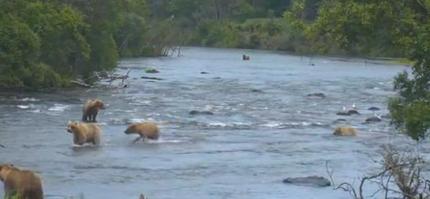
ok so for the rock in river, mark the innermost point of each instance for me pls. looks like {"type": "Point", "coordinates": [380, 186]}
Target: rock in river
{"type": "Point", "coordinates": [151, 78]}
{"type": "Point", "coordinates": [254, 90]}
{"type": "Point", "coordinates": [373, 108]}
{"type": "Point", "coordinates": [195, 112]}
{"type": "Point", "coordinates": [151, 70]}
{"type": "Point", "coordinates": [314, 181]}
{"type": "Point", "coordinates": [340, 120]}
{"type": "Point", "coordinates": [373, 119]}
{"type": "Point", "coordinates": [348, 113]}
{"type": "Point", "coordinates": [321, 95]}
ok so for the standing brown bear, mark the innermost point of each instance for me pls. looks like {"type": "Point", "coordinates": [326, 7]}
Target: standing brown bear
{"type": "Point", "coordinates": [91, 109]}
{"type": "Point", "coordinates": [20, 184]}
{"type": "Point", "coordinates": [144, 130]}
{"type": "Point", "coordinates": [84, 132]}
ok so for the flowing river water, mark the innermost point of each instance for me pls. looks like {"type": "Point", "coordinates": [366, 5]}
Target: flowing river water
{"type": "Point", "coordinates": [263, 129]}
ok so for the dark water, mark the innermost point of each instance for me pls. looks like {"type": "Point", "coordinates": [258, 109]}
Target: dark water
{"type": "Point", "coordinates": [263, 130]}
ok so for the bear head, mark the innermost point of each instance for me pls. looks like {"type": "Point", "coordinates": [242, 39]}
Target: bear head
{"type": "Point", "coordinates": [99, 104]}
{"type": "Point", "coordinates": [72, 126]}
{"type": "Point", "coordinates": [4, 170]}
{"type": "Point", "coordinates": [131, 129]}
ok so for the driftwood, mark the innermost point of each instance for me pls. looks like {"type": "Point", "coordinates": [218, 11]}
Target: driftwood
{"type": "Point", "coordinates": [171, 51]}
{"type": "Point", "coordinates": [401, 170]}
{"type": "Point", "coordinates": [112, 77]}
{"type": "Point", "coordinates": [103, 75]}
{"type": "Point", "coordinates": [80, 83]}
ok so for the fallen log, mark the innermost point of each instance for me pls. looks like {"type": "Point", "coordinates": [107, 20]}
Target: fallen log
{"type": "Point", "coordinates": [80, 83]}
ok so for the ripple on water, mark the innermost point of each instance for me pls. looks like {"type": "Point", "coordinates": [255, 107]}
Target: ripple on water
{"type": "Point", "coordinates": [293, 125]}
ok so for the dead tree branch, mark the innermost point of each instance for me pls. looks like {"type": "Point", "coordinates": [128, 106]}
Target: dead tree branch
{"type": "Point", "coordinates": [403, 171]}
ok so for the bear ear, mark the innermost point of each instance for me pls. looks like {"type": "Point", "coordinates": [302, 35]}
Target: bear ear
{"type": "Point", "coordinates": [2, 166]}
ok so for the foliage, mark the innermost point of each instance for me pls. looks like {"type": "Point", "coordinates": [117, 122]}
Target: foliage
{"type": "Point", "coordinates": [379, 27]}
{"type": "Point", "coordinates": [45, 43]}
{"type": "Point", "coordinates": [18, 43]}
{"type": "Point", "coordinates": [75, 38]}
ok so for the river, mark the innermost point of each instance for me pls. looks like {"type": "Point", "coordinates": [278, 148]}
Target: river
{"type": "Point", "coordinates": [263, 129]}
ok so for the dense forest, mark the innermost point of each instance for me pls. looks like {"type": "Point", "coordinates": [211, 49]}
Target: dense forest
{"type": "Point", "coordinates": [46, 43]}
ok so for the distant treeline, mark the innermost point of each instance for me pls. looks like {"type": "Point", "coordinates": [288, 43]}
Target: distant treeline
{"type": "Point", "coordinates": [46, 43]}
{"type": "Point", "coordinates": [298, 26]}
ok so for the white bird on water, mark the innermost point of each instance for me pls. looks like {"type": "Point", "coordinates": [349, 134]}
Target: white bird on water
{"type": "Point", "coordinates": [343, 108]}
{"type": "Point", "coordinates": [353, 106]}
{"type": "Point", "coordinates": [379, 116]}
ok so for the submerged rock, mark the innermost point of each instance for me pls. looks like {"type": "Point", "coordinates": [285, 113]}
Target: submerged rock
{"type": "Point", "coordinates": [151, 70]}
{"type": "Point", "coordinates": [314, 181]}
{"type": "Point", "coordinates": [353, 112]}
{"type": "Point", "coordinates": [373, 119]}
{"type": "Point", "coordinates": [151, 78]}
{"type": "Point", "coordinates": [345, 131]}
{"type": "Point", "coordinates": [321, 95]}
{"type": "Point", "coordinates": [373, 108]}
{"type": "Point", "coordinates": [348, 113]}
{"type": "Point", "coordinates": [339, 120]}
{"type": "Point", "coordinates": [254, 90]}
{"type": "Point", "coordinates": [195, 112]}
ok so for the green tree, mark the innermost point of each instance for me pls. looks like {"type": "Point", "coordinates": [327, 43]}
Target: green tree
{"type": "Point", "coordinates": [60, 29]}
{"type": "Point", "coordinates": [396, 28]}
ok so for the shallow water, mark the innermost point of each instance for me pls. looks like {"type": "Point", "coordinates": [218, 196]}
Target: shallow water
{"type": "Point", "coordinates": [264, 128]}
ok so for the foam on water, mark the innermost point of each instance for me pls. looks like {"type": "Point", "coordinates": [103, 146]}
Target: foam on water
{"type": "Point", "coordinates": [28, 99]}
{"type": "Point", "coordinates": [162, 140]}
{"type": "Point", "coordinates": [25, 106]}
{"type": "Point", "coordinates": [59, 107]}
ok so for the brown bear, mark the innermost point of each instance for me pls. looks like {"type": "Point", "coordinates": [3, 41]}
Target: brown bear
{"type": "Point", "coordinates": [84, 132]}
{"type": "Point", "coordinates": [345, 131]}
{"type": "Point", "coordinates": [245, 57]}
{"type": "Point", "coordinates": [20, 184]}
{"type": "Point", "coordinates": [144, 130]}
{"type": "Point", "coordinates": [91, 109]}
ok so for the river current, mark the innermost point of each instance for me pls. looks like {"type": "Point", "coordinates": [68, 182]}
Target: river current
{"type": "Point", "coordinates": [264, 127]}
